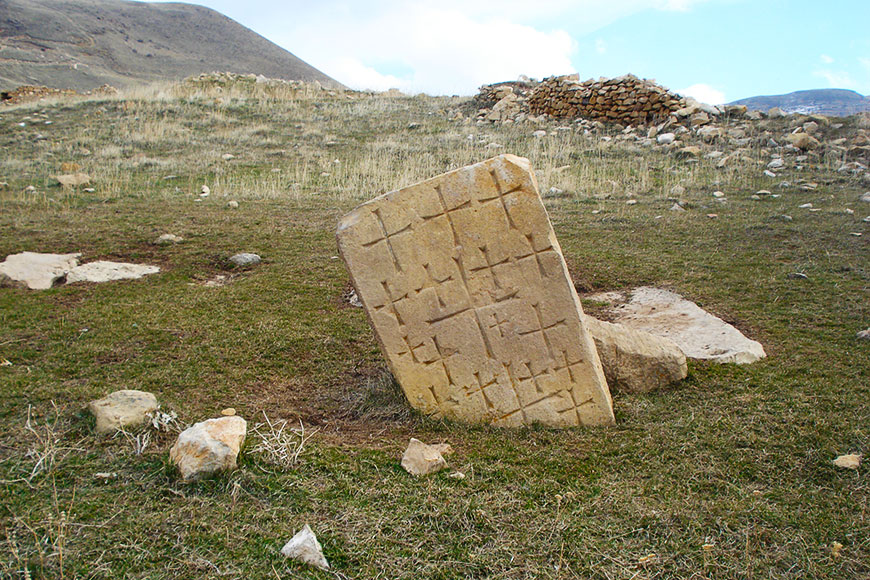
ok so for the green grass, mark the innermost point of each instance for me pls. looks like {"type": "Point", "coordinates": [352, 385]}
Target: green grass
{"type": "Point", "coordinates": [734, 458]}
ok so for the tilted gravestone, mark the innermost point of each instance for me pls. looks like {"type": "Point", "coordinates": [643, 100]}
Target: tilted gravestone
{"type": "Point", "coordinates": [465, 285]}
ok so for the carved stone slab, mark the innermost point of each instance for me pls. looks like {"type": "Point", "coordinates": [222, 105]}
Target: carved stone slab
{"type": "Point", "coordinates": [466, 288]}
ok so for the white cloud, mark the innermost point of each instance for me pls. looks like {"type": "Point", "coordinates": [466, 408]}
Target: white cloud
{"type": "Point", "coordinates": [600, 46]}
{"type": "Point", "coordinates": [836, 79]}
{"type": "Point", "coordinates": [442, 47]}
{"type": "Point", "coordinates": [438, 50]}
{"type": "Point", "coordinates": [704, 93]}
{"type": "Point", "coordinates": [826, 59]}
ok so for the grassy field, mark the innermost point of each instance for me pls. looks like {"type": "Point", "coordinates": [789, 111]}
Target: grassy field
{"type": "Point", "coordinates": [728, 474]}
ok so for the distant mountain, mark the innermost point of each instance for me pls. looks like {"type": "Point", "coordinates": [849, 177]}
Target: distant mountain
{"type": "Point", "coordinates": [82, 44]}
{"type": "Point", "coordinates": [832, 102]}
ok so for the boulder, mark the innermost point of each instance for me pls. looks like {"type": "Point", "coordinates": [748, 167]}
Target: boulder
{"type": "Point", "coordinates": [802, 140]}
{"type": "Point", "coordinates": [166, 239]}
{"type": "Point", "coordinates": [37, 271]}
{"type": "Point", "coordinates": [209, 446]}
{"type": "Point", "coordinates": [699, 334]}
{"type": "Point", "coordinates": [103, 271]}
{"type": "Point", "coordinates": [123, 409]}
{"type": "Point", "coordinates": [245, 259]}
{"type": "Point", "coordinates": [422, 459]}
{"type": "Point", "coordinates": [305, 548]}
{"type": "Point", "coordinates": [73, 179]}
{"type": "Point", "coordinates": [636, 361]}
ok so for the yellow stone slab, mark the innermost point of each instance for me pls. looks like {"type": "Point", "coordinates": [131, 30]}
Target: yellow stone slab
{"type": "Point", "coordinates": [467, 290]}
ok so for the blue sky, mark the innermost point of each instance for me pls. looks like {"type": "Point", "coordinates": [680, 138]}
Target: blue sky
{"type": "Point", "coordinates": [715, 50]}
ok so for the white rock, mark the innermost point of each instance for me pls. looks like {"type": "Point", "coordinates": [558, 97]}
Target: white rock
{"type": "Point", "coordinates": [631, 202]}
{"type": "Point", "coordinates": [866, 197]}
{"type": "Point", "coordinates": [233, 204]}
{"type": "Point", "coordinates": [209, 446]}
{"type": "Point", "coordinates": [204, 191]}
{"type": "Point", "coordinates": [539, 133]}
{"type": "Point", "coordinates": [103, 271]}
{"type": "Point", "coordinates": [805, 205]}
{"type": "Point", "coordinates": [37, 271]}
{"type": "Point", "coordinates": [168, 239]}
{"type": "Point", "coordinates": [698, 333]}
{"type": "Point", "coordinates": [666, 138]}
{"type": "Point", "coordinates": [776, 164]}
{"type": "Point", "coordinates": [849, 461]}
{"type": "Point", "coordinates": [122, 409]}
{"type": "Point", "coordinates": [863, 334]}
{"type": "Point", "coordinates": [228, 156]}
{"type": "Point", "coordinates": [245, 259]}
{"type": "Point", "coordinates": [422, 459]}
{"type": "Point", "coordinates": [305, 548]}
{"type": "Point", "coordinates": [769, 173]}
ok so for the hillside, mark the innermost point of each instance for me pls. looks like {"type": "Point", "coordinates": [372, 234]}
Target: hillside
{"type": "Point", "coordinates": [82, 44]}
{"type": "Point", "coordinates": [833, 102]}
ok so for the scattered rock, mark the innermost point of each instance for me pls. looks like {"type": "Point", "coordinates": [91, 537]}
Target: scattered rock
{"type": "Point", "coordinates": [863, 334]}
{"type": "Point", "coordinates": [849, 461]}
{"type": "Point", "coordinates": [233, 204]}
{"type": "Point", "coordinates": [776, 164]}
{"type": "Point", "coordinates": [103, 271]}
{"type": "Point", "coordinates": [166, 239]}
{"type": "Point", "coordinates": [209, 446]}
{"type": "Point", "coordinates": [227, 157]}
{"type": "Point", "coordinates": [865, 197]}
{"type": "Point", "coordinates": [802, 140]}
{"type": "Point", "coordinates": [204, 191]}
{"type": "Point", "coordinates": [422, 459]}
{"type": "Point", "coordinates": [122, 409]}
{"type": "Point", "coordinates": [805, 205]}
{"type": "Point", "coordinates": [37, 271]}
{"type": "Point", "coordinates": [678, 190]}
{"type": "Point", "coordinates": [636, 361]}
{"type": "Point", "coordinates": [677, 207]}
{"type": "Point", "coordinates": [539, 133]}
{"type": "Point", "coordinates": [73, 179]}
{"type": "Point", "coordinates": [666, 138]}
{"type": "Point", "coordinates": [228, 412]}
{"type": "Point", "coordinates": [305, 548]}
{"type": "Point", "coordinates": [698, 333]}
{"type": "Point", "coordinates": [798, 276]}
{"type": "Point", "coordinates": [245, 259]}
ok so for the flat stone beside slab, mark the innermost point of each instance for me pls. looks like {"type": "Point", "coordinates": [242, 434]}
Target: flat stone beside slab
{"type": "Point", "coordinates": [103, 271]}
{"type": "Point", "coordinates": [38, 271]}
{"type": "Point", "coordinates": [635, 361]}
{"type": "Point", "coordinates": [698, 333]}
{"type": "Point", "coordinates": [466, 288]}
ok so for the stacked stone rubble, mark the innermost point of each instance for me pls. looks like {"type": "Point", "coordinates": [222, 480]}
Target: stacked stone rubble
{"type": "Point", "coordinates": [627, 100]}
{"type": "Point", "coordinates": [28, 93]}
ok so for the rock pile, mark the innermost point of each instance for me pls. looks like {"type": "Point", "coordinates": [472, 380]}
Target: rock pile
{"type": "Point", "coordinates": [26, 93]}
{"type": "Point", "coordinates": [627, 100]}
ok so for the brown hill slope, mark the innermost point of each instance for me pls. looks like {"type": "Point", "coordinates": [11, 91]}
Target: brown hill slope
{"type": "Point", "coordinates": [82, 44]}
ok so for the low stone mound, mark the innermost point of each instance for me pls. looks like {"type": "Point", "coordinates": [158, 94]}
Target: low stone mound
{"type": "Point", "coordinates": [29, 93]}
{"type": "Point", "coordinates": [628, 100]}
